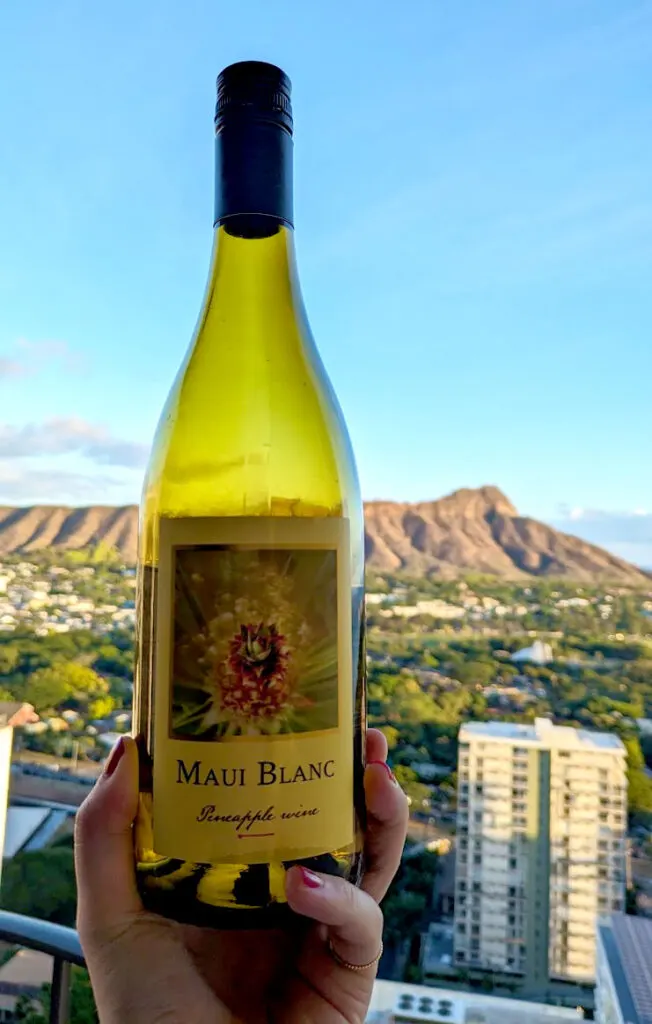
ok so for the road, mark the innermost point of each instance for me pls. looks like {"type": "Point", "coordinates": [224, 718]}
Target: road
{"type": "Point", "coordinates": [63, 791]}
{"type": "Point", "coordinates": [83, 768]}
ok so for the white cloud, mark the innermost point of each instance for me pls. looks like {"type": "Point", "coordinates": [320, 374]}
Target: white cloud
{"type": "Point", "coordinates": [12, 368]}
{"type": "Point", "coordinates": [626, 534]}
{"type": "Point", "coordinates": [25, 358]}
{"type": "Point", "coordinates": [28, 486]}
{"type": "Point", "coordinates": [633, 525]}
{"type": "Point", "coordinates": [67, 436]}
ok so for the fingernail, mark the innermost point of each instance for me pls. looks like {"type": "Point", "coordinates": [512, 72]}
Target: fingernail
{"type": "Point", "coordinates": [310, 879]}
{"type": "Point", "coordinates": [114, 757]}
{"type": "Point", "coordinates": [392, 777]}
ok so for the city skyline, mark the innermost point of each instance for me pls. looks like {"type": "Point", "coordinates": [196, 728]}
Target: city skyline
{"type": "Point", "coordinates": [473, 232]}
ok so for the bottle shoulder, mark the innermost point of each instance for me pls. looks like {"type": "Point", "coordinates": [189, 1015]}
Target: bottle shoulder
{"type": "Point", "coordinates": [253, 419]}
{"type": "Point", "coordinates": [252, 425]}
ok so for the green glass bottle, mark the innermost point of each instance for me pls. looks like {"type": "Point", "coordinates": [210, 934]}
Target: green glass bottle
{"type": "Point", "coordinates": [250, 669]}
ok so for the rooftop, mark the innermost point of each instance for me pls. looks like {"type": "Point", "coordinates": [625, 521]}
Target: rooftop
{"type": "Point", "coordinates": [627, 944]}
{"type": "Point", "coordinates": [27, 967]}
{"type": "Point", "coordinates": [397, 1001]}
{"type": "Point", "coordinates": [543, 734]}
{"type": "Point", "coordinates": [15, 713]}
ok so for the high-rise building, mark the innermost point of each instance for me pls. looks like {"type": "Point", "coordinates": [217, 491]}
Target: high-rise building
{"type": "Point", "coordinates": [623, 984]}
{"type": "Point", "coordinates": [11, 714]}
{"type": "Point", "coordinates": [542, 815]}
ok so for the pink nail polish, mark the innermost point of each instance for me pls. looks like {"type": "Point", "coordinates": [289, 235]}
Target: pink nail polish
{"type": "Point", "coordinates": [390, 773]}
{"type": "Point", "coordinates": [114, 757]}
{"type": "Point", "coordinates": [310, 879]}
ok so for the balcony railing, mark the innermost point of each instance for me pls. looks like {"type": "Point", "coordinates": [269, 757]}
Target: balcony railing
{"type": "Point", "coordinates": [62, 944]}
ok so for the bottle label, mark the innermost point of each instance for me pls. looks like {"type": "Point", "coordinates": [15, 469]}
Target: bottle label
{"type": "Point", "coordinates": [253, 728]}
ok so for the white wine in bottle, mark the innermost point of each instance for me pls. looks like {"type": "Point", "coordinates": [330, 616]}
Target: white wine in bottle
{"type": "Point", "coordinates": [250, 672]}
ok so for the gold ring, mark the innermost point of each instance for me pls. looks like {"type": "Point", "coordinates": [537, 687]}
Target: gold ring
{"type": "Point", "coordinates": [354, 967]}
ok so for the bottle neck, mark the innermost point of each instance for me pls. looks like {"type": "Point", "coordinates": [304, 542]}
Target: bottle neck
{"type": "Point", "coordinates": [253, 271]}
{"type": "Point", "coordinates": [253, 178]}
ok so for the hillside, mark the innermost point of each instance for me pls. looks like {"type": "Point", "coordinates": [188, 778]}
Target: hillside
{"type": "Point", "coordinates": [45, 526]}
{"type": "Point", "coordinates": [467, 531]}
{"type": "Point", "coordinates": [481, 531]}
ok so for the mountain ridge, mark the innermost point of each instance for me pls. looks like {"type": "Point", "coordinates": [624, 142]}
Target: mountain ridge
{"type": "Point", "coordinates": [479, 529]}
{"type": "Point", "coordinates": [469, 530]}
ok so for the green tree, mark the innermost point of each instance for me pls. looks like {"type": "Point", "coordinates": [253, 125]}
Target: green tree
{"type": "Point", "coordinates": [475, 673]}
{"type": "Point", "coordinates": [46, 688]}
{"type": "Point", "coordinates": [392, 736]}
{"type": "Point", "coordinates": [409, 896]}
{"type": "Point", "coordinates": [403, 912]}
{"type": "Point", "coordinates": [646, 749]}
{"type": "Point", "coordinates": [111, 661]}
{"type": "Point", "coordinates": [101, 707]}
{"type": "Point", "coordinates": [415, 791]}
{"type": "Point", "coordinates": [9, 658]}
{"type": "Point", "coordinates": [639, 793]}
{"type": "Point", "coordinates": [41, 883]}
{"type": "Point", "coordinates": [82, 680]}
{"type": "Point", "coordinates": [63, 680]}
{"type": "Point", "coordinates": [82, 1003]}
{"type": "Point", "coordinates": [634, 753]}
{"type": "Point", "coordinates": [451, 707]}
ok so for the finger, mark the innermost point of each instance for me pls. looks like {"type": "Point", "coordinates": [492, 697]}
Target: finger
{"type": "Point", "coordinates": [376, 745]}
{"type": "Point", "coordinates": [387, 819]}
{"type": "Point", "coordinates": [140, 970]}
{"type": "Point", "coordinates": [104, 857]}
{"type": "Point", "coordinates": [353, 918]}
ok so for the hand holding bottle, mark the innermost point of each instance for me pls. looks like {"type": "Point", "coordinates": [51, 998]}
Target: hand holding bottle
{"type": "Point", "coordinates": [146, 969]}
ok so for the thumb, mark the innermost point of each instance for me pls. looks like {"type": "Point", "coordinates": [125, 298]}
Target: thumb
{"type": "Point", "coordinates": [104, 856]}
{"type": "Point", "coordinates": [139, 968]}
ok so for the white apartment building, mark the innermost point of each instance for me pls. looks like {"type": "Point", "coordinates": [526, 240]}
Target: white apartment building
{"type": "Point", "coordinates": [542, 817]}
{"type": "Point", "coordinates": [395, 1002]}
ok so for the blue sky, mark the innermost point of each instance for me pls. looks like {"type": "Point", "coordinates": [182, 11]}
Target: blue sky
{"type": "Point", "coordinates": [474, 231]}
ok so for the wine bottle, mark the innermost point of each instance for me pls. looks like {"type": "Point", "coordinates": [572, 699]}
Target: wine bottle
{"type": "Point", "coordinates": [249, 688]}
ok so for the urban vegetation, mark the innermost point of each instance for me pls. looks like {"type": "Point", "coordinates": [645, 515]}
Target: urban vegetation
{"type": "Point", "coordinates": [440, 652]}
